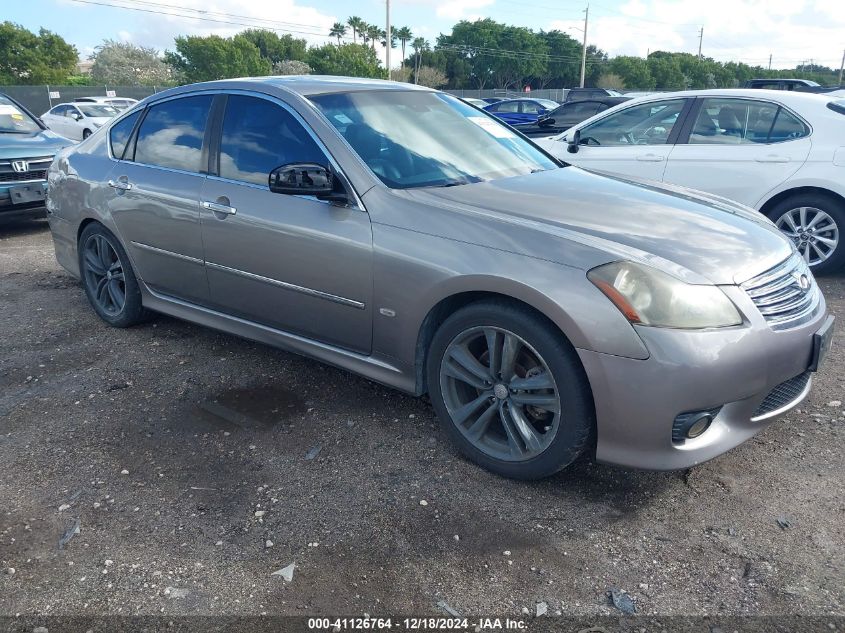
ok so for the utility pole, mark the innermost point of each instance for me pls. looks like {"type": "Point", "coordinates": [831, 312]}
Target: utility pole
{"type": "Point", "coordinates": [770, 61]}
{"type": "Point", "coordinates": [389, 38]}
{"type": "Point", "coordinates": [700, 40]}
{"type": "Point", "coordinates": [584, 49]}
{"type": "Point", "coordinates": [841, 66]}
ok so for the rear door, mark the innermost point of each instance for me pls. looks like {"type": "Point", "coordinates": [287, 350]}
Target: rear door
{"type": "Point", "coordinates": [635, 141]}
{"type": "Point", "coordinates": [738, 148]}
{"type": "Point", "coordinates": [294, 263]}
{"type": "Point", "coordinates": [56, 121]}
{"type": "Point", "coordinates": [154, 195]}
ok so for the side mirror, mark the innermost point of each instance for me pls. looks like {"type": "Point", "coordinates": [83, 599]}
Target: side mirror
{"type": "Point", "coordinates": [75, 116]}
{"type": "Point", "coordinates": [305, 179]}
{"type": "Point", "coordinates": [574, 142]}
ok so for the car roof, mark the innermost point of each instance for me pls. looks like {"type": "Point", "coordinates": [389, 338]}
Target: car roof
{"type": "Point", "coordinates": [307, 85]}
{"type": "Point", "coordinates": [784, 96]}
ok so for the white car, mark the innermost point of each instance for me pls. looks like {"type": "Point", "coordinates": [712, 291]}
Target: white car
{"type": "Point", "coordinates": [780, 152]}
{"type": "Point", "coordinates": [121, 103]}
{"type": "Point", "coordinates": [77, 121]}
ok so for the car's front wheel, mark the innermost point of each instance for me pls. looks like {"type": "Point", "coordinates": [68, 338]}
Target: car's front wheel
{"type": "Point", "coordinates": [108, 278]}
{"type": "Point", "coordinates": [813, 222]}
{"type": "Point", "coordinates": [510, 390]}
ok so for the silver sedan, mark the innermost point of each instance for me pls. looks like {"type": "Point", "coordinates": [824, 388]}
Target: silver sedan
{"type": "Point", "coordinates": [399, 233]}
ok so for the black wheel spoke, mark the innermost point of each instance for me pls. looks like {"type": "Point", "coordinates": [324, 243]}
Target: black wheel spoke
{"type": "Point", "coordinates": [510, 348]}
{"type": "Point", "coordinates": [92, 260]}
{"type": "Point", "coordinates": [478, 428]}
{"type": "Point", "coordinates": [455, 370]}
{"type": "Point", "coordinates": [462, 414]}
{"type": "Point", "coordinates": [526, 431]}
{"type": "Point", "coordinates": [538, 381]}
{"type": "Point", "coordinates": [494, 350]}
{"type": "Point", "coordinates": [545, 401]}
{"type": "Point", "coordinates": [515, 444]}
{"type": "Point", "coordinates": [116, 294]}
{"type": "Point", "coordinates": [463, 357]}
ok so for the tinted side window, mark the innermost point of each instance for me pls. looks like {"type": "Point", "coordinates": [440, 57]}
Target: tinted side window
{"type": "Point", "coordinates": [171, 134]}
{"type": "Point", "coordinates": [258, 136]}
{"type": "Point", "coordinates": [787, 127]}
{"type": "Point", "coordinates": [507, 106]}
{"type": "Point", "coordinates": [733, 122]}
{"type": "Point", "coordinates": [59, 110]}
{"type": "Point", "coordinates": [119, 134]}
{"type": "Point", "coordinates": [646, 124]}
{"type": "Point", "coordinates": [531, 107]}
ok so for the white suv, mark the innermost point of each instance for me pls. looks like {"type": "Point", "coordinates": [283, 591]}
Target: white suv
{"type": "Point", "coordinates": [782, 153]}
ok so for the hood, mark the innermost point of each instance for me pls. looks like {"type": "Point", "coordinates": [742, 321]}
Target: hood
{"type": "Point", "coordinates": [43, 143]}
{"type": "Point", "coordinates": [699, 239]}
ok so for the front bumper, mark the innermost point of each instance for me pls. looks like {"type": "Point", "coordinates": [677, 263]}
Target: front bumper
{"type": "Point", "coordinates": [637, 401]}
{"type": "Point", "coordinates": [11, 212]}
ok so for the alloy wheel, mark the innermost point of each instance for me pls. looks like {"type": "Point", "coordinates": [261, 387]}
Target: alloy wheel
{"type": "Point", "coordinates": [813, 231]}
{"type": "Point", "coordinates": [104, 274]}
{"type": "Point", "coordinates": [500, 393]}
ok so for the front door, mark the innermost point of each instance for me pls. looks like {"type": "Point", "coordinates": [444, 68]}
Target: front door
{"type": "Point", "coordinates": [154, 196]}
{"type": "Point", "coordinates": [633, 142]}
{"type": "Point", "coordinates": [739, 148]}
{"type": "Point", "coordinates": [290, 262]}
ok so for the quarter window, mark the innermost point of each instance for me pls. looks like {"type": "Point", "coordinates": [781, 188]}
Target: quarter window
{"type": "Point", "coordinates": [258, 136]}
{"type": "Point", "coordinates": [744, 121]}
{"type": "Point", "coordinates": [171, 135]}
{"type": "Point", "coordinates": [646, 124]}
{"type": "Point", "coordinates": [119, 134]}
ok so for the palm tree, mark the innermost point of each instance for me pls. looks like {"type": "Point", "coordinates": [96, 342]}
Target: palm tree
{"type": "Point", "coordinates": [373, 33]}
{"type": "Point", "coordinates": [338, 30]}
{"type": "Point", "coordinates": [419, 44]}
{"type": "Point", "coordinates": [404, 35]}
{"type": "Point", "coordinates": [357, 26]}
{"type": "Point", "coordinates": [365, 32]}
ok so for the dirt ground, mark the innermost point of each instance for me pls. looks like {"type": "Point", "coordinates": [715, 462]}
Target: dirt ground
{"type": "Point", "coordinates": [185, 508]}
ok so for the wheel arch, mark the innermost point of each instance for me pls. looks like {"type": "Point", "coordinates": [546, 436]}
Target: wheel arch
{"type": "Point", "coordinates": [449, 304]}
{"type": "Point", "coordinates": [779, 197]}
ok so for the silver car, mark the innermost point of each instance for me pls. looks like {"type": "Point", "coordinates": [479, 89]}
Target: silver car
{"type": "Point", "coordinates": [400, 233]}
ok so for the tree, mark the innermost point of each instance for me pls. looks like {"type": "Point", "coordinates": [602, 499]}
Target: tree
{"type": "Point", "coordinates": [373, 33]}
{"type": "Point", "coordinates": [563, 66]}
{"type": "Point", "coordinates": [276, 48]}
{"type": "Point", "coordinates": [611, 81]}
{"type": "Point", "coordinates": [666, 71]}
{"type": "Point", "coordinates": [125, 64]}
{"type": "Point", "coordinates": [291, 67]}
{"type": "Point", "coordinates": [213, 57]}
{"type": "Point", "coordinates": [419, 45]}
{"type": "Point", "coordinates": [633, 71]}
{"type": "Point", "coordinates": [404, 36]}
{"type": "Point", "coordinates": [338, 30]}
{"type": "Point", "coordinates": [353, 60]}
{"type": "Point", "coordinates": [357, 25]}
{"type": "Point", "coordinates": [403, 73]}
{"type": "Point", "coordinates": [27, 58]}
{"type": "Point", "coordinates": [430, 77]}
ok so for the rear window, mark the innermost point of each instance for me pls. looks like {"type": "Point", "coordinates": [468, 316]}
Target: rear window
{"type": "Point", "coordinates": [837, 106]}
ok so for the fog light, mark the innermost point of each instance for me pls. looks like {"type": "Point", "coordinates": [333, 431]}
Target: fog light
{"type": "Point", "coordinates": [693, 424]}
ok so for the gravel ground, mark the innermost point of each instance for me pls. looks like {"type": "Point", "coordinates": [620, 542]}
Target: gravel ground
{"type": "Point", "coordinates": [187, 459]}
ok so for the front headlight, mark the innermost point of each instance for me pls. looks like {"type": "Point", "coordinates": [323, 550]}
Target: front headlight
{"type": "Point", "coordinates": [647, 296]}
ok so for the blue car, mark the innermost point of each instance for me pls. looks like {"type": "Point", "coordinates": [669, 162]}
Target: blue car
{"type": "Point", "coordinates": [27, 148]}
{"type": "Point", "coordinates": [521, 111]}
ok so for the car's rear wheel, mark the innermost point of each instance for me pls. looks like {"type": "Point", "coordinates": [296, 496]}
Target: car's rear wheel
{"type": "Point", "coordinates": [108, 278]}
{"type": "Point", "coordinates": [814, 223]}
{"type": "Point", "coordinates": [510, 390]}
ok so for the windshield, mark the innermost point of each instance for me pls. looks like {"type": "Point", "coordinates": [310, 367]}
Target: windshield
{"type": "Point", "coordinates": [97, 109]}
{"type": "Point", "coordinates": [548, 104]}
{"type": "Point", "coordinates": [423, 139]}
{"type": "Point", "coordinates": [13, 120]}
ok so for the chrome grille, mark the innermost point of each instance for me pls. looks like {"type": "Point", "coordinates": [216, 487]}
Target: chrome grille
{"type": "Point", "coordinates": [36, 169]}
{"type": "Point", "coordinates": [778, 292]}
{"type": "Point", "coordinates": [782, 395]}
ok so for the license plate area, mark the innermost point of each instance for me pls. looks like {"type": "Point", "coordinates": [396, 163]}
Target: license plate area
{"type": "Point", "coordinates": [822, 341]}
{"type": "Point", "coordinates": [23, 194]}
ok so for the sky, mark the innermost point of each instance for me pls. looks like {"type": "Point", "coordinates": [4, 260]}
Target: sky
{"type": "Point", "coordinates": [791, 31]}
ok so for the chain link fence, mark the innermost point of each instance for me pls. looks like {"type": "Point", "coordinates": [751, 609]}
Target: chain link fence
{"type": "Point", "coordinates": [39, 99]}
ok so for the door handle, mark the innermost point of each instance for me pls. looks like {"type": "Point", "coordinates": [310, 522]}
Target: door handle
{"type": "Point", "coordinates": [219, 208]}
{"type": "Point", "coordinates": [651, 158]}
{"type": "Point", "coordinates": [122, 185]}
{"type": "Point", "coordinates": [772, 158]}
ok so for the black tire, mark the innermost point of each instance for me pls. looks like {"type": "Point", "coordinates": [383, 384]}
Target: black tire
{"type": "Point", "coordinates": [109, 281]}
{"type": "Point", "coordinates": [85, 134]}
{"type": "Point", "coordinates": [828, 204]}
{"type": "Point", "coordinates": [575, 422]}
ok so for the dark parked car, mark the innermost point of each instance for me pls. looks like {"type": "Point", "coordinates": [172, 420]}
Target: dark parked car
{"type": "Point", "coordinates": [579, 94]}
{"type": "Point", "coordinates": [521, 111]}
{"type": "Point", "coordinates": [799, 85]}
{"type": "Point", "coordinates": [27, 148]}
{"type": "Point", "coordinates": [565, 116]}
